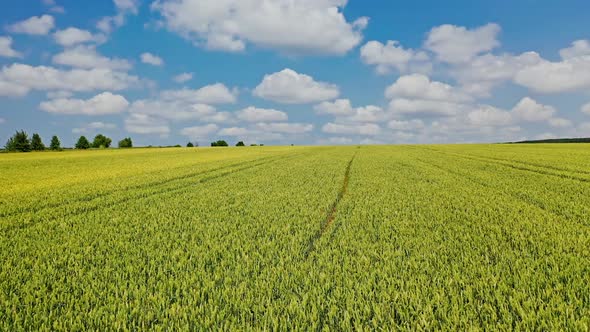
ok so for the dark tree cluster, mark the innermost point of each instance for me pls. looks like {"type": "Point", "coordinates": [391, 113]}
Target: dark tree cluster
{"type": "Point", "coordinates": [126, 143]}
{"type": "Point", "coordinates": [20, 142]}
{"type": "Point", "coordinates": [219, 143]}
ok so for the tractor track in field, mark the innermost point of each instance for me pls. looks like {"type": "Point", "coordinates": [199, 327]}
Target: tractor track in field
{"type": "Point", "coordinates": [87, 209]}
{"type": "Point", "coordinates": [520, 166]}
{"type": "Point", "coordinates": [526, 199]}
{"type": "Point", "coordinates": [329, 220]}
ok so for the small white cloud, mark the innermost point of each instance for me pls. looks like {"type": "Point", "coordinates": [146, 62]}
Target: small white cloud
{"type": "Point", "coordinates": [151, 59]}
{"type": "Point", "coordinates": [392, 56]}
{"type": "Point", "coordinates": [216, 93]}
{"type": "Point", "coordinates": [338, 107]}
{"type": "Point", "coordinates": [73, 36]}
{"type": "Point", "coordinates": [369, 129]}
{"type": "Point", "coordinates": [572, 74]}
{"type": "Point", "coordinates": [285, 128]}
{"type": "Point", "coordinates": [6, 49]}
{"type": "Point", "coordinates": [531, 111]}
{"type": "Point", "coordinates": [489, 116]}
{"type": "Point", "coordinates": [54, 7]}
{"type": "Point", "coordinates": [19, 79]}
{"type": "Point", "coordinates": [410, 125]}
{"type": "Point", "coordinates": [290, 87]}
{"type": "Point", "coordinates": [560, 123]}
{"type": "Point", "coordinates": [183, 77]}
{"type": "Point", "coordinates": [94, 127]}
{"type": "Point", "coordinates": [454, 44]}
{"type": "Point", "coordinates": [146, 125]}
{"type": "Point", "coordinates": [586, 109]}
{"type": "Point", "coordinates": [83, 56]}
{"type": "Point", "coordinates": [200, 132]}
{"type": "Point", "coordinates": [578, 48]}
{"type": "Point", "coordinates": [36, 25]}
{"type": "Point", "coordinates": [418, 86]}
{"type": "Point", "coordinates": [104, 103]}
{"type": "Point", "coordinates": [253, 114]}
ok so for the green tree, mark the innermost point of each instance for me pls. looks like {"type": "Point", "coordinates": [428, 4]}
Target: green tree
{"type": "Point", "coordinates": [219, 143]}
{"type": "Point", "coordinates": [19, 142]}
{"type": "Point", "coordinates": [37, 143]}
{"type": "Point", "coordinates": [126, 143]}
{"type": "Point", "coordinates": [240, 143]}
{"type": "Point", "coordinates": [83, 143]}
{"type": "Point", "coordinates": [101, 141]}
{"type": "Point", "coordinates": [55, 144]}
{"type": "Point", "coordinates": [190, 145]}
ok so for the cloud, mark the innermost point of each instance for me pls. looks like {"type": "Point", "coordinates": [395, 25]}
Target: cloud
{"type": "Point", "coordinates": [6, 49]}
{"type": "Point", "coordinates": [82, 56]}
{"type": "Point", "coordinates": [290, 87]}
{"type": "Point", "coordinates": [285, 128]}
{"type": "Point", "coordinates": [531, 111]}
{"type": "Point", "coordinates": [411, 125]}
{"type": "Point", "coordinates": [216, 93]}
{"type": "Point", "coordinates": [93, 127]}
{"type": "Point", "coordinates": [53, 7]}
{"type": "Point", "coordinates": [108, 24]}
{"type": "Point", "coordinates": [2, 121]}
{"type": "Point", "coordinates": [183, 77]}
{"type": "Point", "coordinates": [417, 95]}
{"type": "Point", "coordinates": [253, 114]}
{"type": "Point", "coordinates": [425, 108]}
{"type": "Point", "coordinates": [578, 48]}
{"type": "Point", "coordinates": [490, 116]}
{"type": "Point", "coordinates": [370, 129]}
{"type": "Point", "coordinates": [36, 25]}
{"type": "Point", "coordinates": [571, 74]}
{"type": "Point", "coordinates": [337, 107]}
{"type": "Point", "coordinates": [369, 113]}
{"type": "Point", "coordinates": [418, 86]}
{"type": "Point", "coordinates": [392, 56]}
{"type": "Point", "coordinates": [59, 94]}
{"type": "Point", "coordinates": [560, 123]}
{"type": "Point", "coordinates": [145, 125]}
{"type": "Point", "coordinates": [104, 103]}
{"type": "Point", "coordinates": [585, 108]}
{"type": "Point", "coordinates": [200, 132]}
{"type": "Point", "coordinates": [74, 36]}
{"type": "Point", "coordinates": [480, 75]}
{"type": "Point", "coordinates": [18, 79]}
{"type": "Point", "coordinates": [293, 27]}
{"type": "Point", "coordinates": [151, 59]}
{"type": "Point", "coordinates": [9, 89]}
{"type": "Point", "coordinates": [454, 44]}
{"type": "Point", "coordinates": [172, 110]}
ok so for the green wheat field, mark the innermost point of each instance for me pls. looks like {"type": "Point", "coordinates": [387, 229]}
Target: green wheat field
{"type": "Point", "coordinates": [423, 237]}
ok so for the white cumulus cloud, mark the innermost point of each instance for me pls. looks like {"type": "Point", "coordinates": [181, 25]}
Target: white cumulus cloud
{"type": "Point", "coordinates": [294, 27]}
{"type": "Point", "coordinates": [455, 44]}
{"type": "Point", "coordinates": [151, 59]}
{"type": "Point", "coordinates": [390, 56]}
{"type": "Point", "coordinates": [254, 114]}
{"type": "Point", "coordinates": [104, 103]}
{"type": "Point", "coordinates": [290, 87]}
{"type": "Point", "coordinates": [6, 49]}
{"type": "Point", "coordinates": [36, 25]}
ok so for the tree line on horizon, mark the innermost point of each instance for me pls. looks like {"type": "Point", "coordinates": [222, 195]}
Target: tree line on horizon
{"type": "Point", "coordinates": [20, 142]}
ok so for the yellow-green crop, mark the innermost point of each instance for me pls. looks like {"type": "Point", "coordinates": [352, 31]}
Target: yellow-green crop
{"type": "Point", "coordinates": [439, 237]}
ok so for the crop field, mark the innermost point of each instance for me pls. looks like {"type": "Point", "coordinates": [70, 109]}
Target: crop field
{"type": "Point", "coordinates": [423, 237]}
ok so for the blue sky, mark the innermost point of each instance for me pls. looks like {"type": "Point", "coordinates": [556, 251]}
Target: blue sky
{"type": "Point", "coordinates": [296, 71]}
